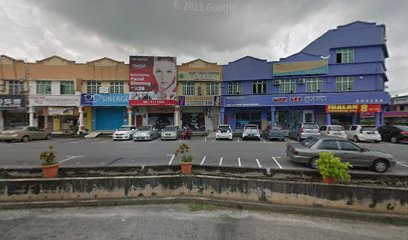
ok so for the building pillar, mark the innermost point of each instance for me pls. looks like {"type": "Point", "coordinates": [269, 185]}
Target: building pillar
{"type": "Point", "coordinates": [177, 115]}
{"type": "Point", "coordinates": [46, 122]}
{"type": "Point", "coordinates": [378, 119]}
{"type": "Point", "coordinates": [328, 118]}
{"type": "Point", "coordinates": [354, 119]}
{"type": "Point", "coordinates": [129, 111]}
{"type": "Point", "coordinates": [31, 111]}
{"type": "Point", "coordinates": [273, 118]}
{"type": "Point", "coordinates": [222, 113]}
{"type": "Point", "coordinates": [1, 120]}
{"type": "Point", "coordinates": [81, 128]}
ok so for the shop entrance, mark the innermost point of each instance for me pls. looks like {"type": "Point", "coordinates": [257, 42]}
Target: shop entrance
{"type": "Point", "coordinates": [287, 119]}
{"type": "Point", "coordinates": [139, 120]}
{"type": "Point", "coordinates": [248, 117]}
{"type": "Point", "coordinates": [342, 119]}
{"type": "Point", "coordinates": [196, 121]}
{"type": "Point", "coordinates": [161, 120]}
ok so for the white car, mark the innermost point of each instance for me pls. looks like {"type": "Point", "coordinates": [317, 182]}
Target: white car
{"type": "Point", "coordinates": [333, 131]}
{"type": "Point", "coordinates": [124, 133]}
{"type": "Point", "coordinates": [365, 133]}
{"type": "Point", "coordinates": [224, 132]}
{"type": "Point", "coordinates": [251, 131]}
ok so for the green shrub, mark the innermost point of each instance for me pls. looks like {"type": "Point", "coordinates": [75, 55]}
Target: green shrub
{"type": "Point", "coordinates": [331, 166]}
{"type": "Point", "coordinates": [48, 157]}
{"type": "Point", "coordinates": [184, 150]}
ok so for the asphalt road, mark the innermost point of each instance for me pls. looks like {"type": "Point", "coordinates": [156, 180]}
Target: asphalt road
{"type": "Point", "coordinates": [178, 222]}
{"type": "Point", "coordinates": [105, 152]}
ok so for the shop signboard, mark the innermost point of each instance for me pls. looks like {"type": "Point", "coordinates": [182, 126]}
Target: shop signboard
{"type": "Point", "coordinates": [105, 100]}
{"type": "Point", "coordinates": [353, 108]}
{"type": "Point", "coordinates": [54, 100]}
{"type": "Point", "coordinates": [60, 111]}
{"type": "Point", "coordinates": [300, 68]}
{"type": "Point", "coordinates": [199, 101]}
{"type": "Point", "coordinates": [12, 101]}
{"type": "Point", "coordinates": [152, 81]}
{"type": "Point", "coordinates": [363, 98]}
{"type": "Point", "coordinates": [199, 75]}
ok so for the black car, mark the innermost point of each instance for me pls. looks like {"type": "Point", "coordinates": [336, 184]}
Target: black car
{"type": "Point", "coordinates": [394, 134]}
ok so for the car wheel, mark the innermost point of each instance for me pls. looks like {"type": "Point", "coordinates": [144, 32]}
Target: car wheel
{"type": "Point", "coordinates": [380, 165]}
{"type": "Point", "coordinates": [48, 137]}
{"type": "Point", "coordinates": [130, 137]}
{"type": "Point", "coordinates": [312, 163]}
{"type": "Point", "coordinates": [394, 140]}
{"type": "Point", "coordinates": [25, 139]}
{"type": "Point", "coordinates": [377, 141]}
{"type": "Point", "coordinates": [298, 138]}
{"type": "Point", "coordinates": [355, 139]}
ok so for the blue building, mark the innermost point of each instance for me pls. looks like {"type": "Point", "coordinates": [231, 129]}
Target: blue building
{"type": "Point", "coordinates": [331, 81]}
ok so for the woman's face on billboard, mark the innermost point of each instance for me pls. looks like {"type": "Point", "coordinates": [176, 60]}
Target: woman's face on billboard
{"type": "Point", "coordinates": [165, 73]}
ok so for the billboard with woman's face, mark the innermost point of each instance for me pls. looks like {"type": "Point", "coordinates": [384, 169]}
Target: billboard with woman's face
{"type": "Point", "coordinates": [152, 81]}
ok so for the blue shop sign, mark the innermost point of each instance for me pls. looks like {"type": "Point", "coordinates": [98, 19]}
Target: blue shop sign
{"type": "Point", "coordinates": [104, 99]}
{"type": "Point", "coordinates": [307, 99]}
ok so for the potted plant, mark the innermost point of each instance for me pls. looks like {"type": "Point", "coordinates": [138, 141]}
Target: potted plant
{"type": "Point", "coordinates": [331, 168]}
{"type": "Point", "coordinates": [49, 164]}
{"type": "Point", "coordinates": [186, 161]}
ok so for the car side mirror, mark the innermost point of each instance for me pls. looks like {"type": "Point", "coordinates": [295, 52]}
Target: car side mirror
{"type": "Point", "coordinates": [364, 150]}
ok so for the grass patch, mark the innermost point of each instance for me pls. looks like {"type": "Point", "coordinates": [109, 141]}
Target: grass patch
{"type": "Point", "coordinates": [200, 206]}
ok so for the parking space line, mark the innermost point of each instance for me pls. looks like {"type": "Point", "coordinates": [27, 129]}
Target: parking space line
{"type": "Point", "coordinates": [213, 140]}
{"type": "Point", "coordinates": [69, 158]}
{"type": "Point", "coordinates": [277, 163]}
{"type": "Point", "coordinates": [203, 160]}
{"type": "Point", "coordinates": [239, 162]}
{"type": "Point", "coordinates": [259, 164]}
{"type": "Point", "coordinates": [263, 140]}
{"type": "Point", "coordinates": [172, 158]}
{"type": "Point", "coordinates": [238, 139]}
{"type": "Point", "coordinates": [220, 161]}
{"type": "Point", "coordinates": [402, 164]}
{"type": "Point", "coordinates": [205, 139]}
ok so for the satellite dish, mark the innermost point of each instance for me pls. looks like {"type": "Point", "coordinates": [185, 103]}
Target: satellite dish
{"type": "Point", "coordinates": [325, 57]}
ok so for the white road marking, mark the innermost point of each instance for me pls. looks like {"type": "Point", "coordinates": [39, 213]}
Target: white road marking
{"type": "Point", "coordinates": [259, 164]}
{"type": "Point", "coordinates": [238, 139]}
{"type": "Point", "coordinates": [239, 162]}
{"type": "Point", "coordinates": [263, 140]}
{"type": "Point", "coordinates": [172, 158]}
{"type": "Point", "coordinates": [213, 140]}
{"type": "Point", "coordinates": [220, 161]}
{"type": "Point", "coordinates": [276, 161]}
{"type": "Point", "coordinates": [205, 139]}
{"type": "Point", "coordinates": [203, 160]}
{"type": "Point", "coordinates": [71, 157]}
{"type": "Point", "coordinates": [104, 141]}
{"type": "Point", "coordinates": [402, 164]}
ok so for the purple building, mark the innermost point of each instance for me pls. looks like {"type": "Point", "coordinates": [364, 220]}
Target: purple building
{"type": "Point", "coordinates": [331, 81]}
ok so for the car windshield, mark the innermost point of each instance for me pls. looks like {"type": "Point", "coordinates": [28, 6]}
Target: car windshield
{"type": "Point", "coordinates": [14, 128]}
{"type": "Point", "coordinates": [336, 128]}
{"type": "Point", "coordinates": [403, 128]}
{"type": "Point", "coordinates": [309, 126]}
{"type": "Point", "coordinates": [145, 128]}
{"type": "Point", "coordinates": [169, 129]}
{"type": "Point", "coordinates": [368, 128]}
{"type": "Point", "coordinates": [124, 129]}
{"type": "Point", "coordinates": [309, 142]}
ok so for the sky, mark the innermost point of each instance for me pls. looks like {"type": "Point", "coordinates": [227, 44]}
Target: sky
{"type": "Point", "coordinates": [218, 31]}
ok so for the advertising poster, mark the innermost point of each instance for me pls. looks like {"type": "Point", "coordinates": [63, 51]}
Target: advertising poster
{"type": "Point", "coordinates": [152, 81]}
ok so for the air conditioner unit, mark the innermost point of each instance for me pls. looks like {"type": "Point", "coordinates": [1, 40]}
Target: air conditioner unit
{"type": "Point", "coordinates": [2, 82]}
{"type": "Point", "coordinates": [103, 90]}
{"type": "Point", "coordinates": [302, 80]}
{"type": "Point", "coordinates": [278, 82]}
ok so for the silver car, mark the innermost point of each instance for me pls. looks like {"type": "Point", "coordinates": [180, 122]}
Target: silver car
{"type": "Point", "coordinates": [147, 132]}
{"type": "Point", "coordinates": [303, 130]}
{"type": "Point", "coordinates": [170, 133]}
{"type": "Point", "coordinates": [308, 151]}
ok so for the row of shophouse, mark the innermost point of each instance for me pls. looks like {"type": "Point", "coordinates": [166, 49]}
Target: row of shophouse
{"type": "Point", "coordinates": [340, 78]}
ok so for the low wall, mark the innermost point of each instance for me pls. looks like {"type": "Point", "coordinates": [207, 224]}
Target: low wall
{"type": "Point", "coordinates": [314, 194]}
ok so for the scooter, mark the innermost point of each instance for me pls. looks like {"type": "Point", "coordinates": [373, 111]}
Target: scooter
{"type": "Point", "coordinates": [186, 134]}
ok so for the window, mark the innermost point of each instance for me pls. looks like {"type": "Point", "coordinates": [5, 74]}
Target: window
{"type": "Point", "coordinates": [329, 145]}
{"type": "Point", "coordinates": [116, 87]}
{"type": "Point", "coordinates": [345, 55]}
{"type": "Point", "coordinates": [259, 87]}
{"type": "Point", "coordinates": [188, 88]}
{"type": "Point", "coordinates": [344, 84]}
{"type": "Point", "coordinates": [353, 128]}
{"type": "Point", "coordinates": [234, 88]}
{"type": "Point", "coordinates": [93, 86]}
{"type": "Point", "coordinates": [347, 146]}
{"type": "Point", "coordinates": [67, 88]}
{"type": "Point", "coordinates": [43, 87]}
{"type": "Point", "coordinates": [212, 88]}
{"type": "Point", "coordinates": [288, 86]}
{"type": "Point", "coordinates": [314, 84]}
{"type": "Point", "coordinates": [16, 87]}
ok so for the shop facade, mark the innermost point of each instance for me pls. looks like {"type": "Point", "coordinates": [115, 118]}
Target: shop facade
{"type": "Point", "coordinates": [334, 80]}
{"type": "Point", "coordinates": [199, 91]}
{"type": "Point", "coordinates": [13, 111]}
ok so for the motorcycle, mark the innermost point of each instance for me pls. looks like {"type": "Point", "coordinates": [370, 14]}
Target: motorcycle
{"type": "Point", "coordinates": [186, 133]}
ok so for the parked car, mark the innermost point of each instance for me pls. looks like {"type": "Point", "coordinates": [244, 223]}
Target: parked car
{"type": "Point", "coordinates": [394, 134]}
{"type": "Point", "coordinates": [24, 134]}
{"type": "Point", "coordinates": [224, 132]}
{"type": "Point", "coordinates": [307, 151]}
{"type": "Point", "coordinates": [146, 132]}
{"type": "Point", "coordinates": [170, 132]}
{"type": "Point", "coordinates": [251, 131]}
{"type": "Point", "coordinates": [303, 130]}
{"type": "Point", "coordinates": [124, 133]}
{"type": "Point", "coordinates": [275, 132]}
{"type": "Point", "coordinates": [364, 133]}
{"type": "Point", "coordinates": [333, 130]}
